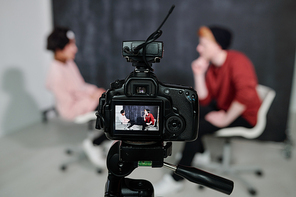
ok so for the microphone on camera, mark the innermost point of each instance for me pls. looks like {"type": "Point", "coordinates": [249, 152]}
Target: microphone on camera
{"type": "Point", "coordinates": [154, 36]}
{"type": "Point", "coordinates": [169, 13]}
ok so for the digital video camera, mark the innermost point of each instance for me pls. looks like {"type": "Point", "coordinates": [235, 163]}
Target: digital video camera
{"type": "Point", "coordinates": [142, 109]}
{"type": "Point", "coordinates": [173, 108]}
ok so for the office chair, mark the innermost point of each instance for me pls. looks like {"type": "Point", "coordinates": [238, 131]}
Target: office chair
{"type": "Point", "coordinates": [267, 95]}
{"type": "Point", "coordinates": [77, 153]}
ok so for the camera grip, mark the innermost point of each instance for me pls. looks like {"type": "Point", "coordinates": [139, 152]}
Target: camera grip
{"type": "Point", "coordinates": [206, 179]}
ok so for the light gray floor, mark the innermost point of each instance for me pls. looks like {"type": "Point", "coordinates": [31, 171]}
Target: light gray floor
{"type": "Point", "coordinates": [30, 160]}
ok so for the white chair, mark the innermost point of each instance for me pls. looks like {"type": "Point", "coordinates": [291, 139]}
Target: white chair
{"type": "Point", "coordinates": [267, 96]}
{"type": "Point", "coordinates": [78, 153]}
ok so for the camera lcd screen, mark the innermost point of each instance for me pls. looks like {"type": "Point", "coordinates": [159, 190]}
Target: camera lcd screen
{"type": "Point", "coordinates": [137, 119]}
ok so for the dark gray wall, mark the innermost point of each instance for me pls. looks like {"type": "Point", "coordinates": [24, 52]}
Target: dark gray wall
{"type": "Point", "coordinates": [264, 30]}
{"type": "Point", "coordinates": [136, 113]}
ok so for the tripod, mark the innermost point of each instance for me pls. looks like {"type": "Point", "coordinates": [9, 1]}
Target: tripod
{"type": "Point", "coordinates": [124, 157]}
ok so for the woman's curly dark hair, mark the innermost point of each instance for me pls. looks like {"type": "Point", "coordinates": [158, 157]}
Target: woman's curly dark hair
{"type": "Point", "coordinates": [58, 39]}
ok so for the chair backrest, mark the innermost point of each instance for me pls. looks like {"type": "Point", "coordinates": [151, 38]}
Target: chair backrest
{"type": "Point", "coordinates": [267, 95]}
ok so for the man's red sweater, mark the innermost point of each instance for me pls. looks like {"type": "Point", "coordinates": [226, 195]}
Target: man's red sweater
{"type": "Point", "coordinates": [149, 118]}
{"type": "Point", "coordinates": [235, 80]}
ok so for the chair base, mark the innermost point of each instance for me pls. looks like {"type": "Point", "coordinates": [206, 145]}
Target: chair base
{"type": "Point", "coordinates": [225, 167]}
{"type": "Point", "coordinates": [76, 154]}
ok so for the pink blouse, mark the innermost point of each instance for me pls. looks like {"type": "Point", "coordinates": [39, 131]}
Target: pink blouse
{"type": "Point", "coordinates": [72, 94]}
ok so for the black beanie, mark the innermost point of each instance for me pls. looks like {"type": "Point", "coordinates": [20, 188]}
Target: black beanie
{"type": "Point", "coordinates": [222, 36]}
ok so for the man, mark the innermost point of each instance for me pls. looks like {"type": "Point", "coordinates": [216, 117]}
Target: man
{"type": "Point", "coordinates": [148, 119]}
{"type": "Point", "coordinates": [225, 82]}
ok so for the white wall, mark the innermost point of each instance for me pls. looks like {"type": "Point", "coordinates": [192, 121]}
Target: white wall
{"type": "Point", "coordinates": [24, 26]}
{"type": "Point", "coordinates": [293, 94]}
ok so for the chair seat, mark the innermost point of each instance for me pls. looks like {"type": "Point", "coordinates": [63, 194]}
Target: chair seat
{"type": "Point", "coordinates": [249, 133]}
{"type": "Point", "coordinates": [267, 95]}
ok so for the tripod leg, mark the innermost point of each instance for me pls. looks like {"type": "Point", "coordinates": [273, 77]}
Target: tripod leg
{"type": "Point", "coordinates": [112, 187]}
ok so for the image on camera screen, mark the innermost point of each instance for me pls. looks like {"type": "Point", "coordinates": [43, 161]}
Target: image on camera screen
{"type": "Point", "coordinates": [137, 118]}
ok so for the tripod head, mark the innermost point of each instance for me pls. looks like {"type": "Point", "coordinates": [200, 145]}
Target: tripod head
{"type": "Point", "coordinates": [124, 157]}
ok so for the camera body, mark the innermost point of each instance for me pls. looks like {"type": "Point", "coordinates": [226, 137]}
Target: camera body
{"type": "Point", "coordinates": [142, 109]}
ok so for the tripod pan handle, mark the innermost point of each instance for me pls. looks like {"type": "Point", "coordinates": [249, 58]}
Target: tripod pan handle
{"type": "Point", "coordinates": [206, 179]}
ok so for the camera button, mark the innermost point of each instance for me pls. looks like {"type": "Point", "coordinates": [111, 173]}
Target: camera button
{"type": "Point", "coordinates": [180, 91]}
{"type": "Point", "coordinates": [187, 93]}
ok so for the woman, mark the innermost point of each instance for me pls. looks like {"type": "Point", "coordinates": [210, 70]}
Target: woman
{"type": "Point", "coordinates": [73, 95]}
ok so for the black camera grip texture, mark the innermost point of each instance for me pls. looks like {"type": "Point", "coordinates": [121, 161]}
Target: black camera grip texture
{"type": "Point", "coordinates": [206, 179]}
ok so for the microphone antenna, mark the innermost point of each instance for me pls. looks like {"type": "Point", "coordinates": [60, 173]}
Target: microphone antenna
{"type": "Point", "coordinates": [154, 36]}
{"type": "Point", "coordinates": [170, 11]}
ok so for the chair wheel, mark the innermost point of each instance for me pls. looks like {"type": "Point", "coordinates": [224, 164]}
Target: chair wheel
{"type": "Point", "coordinates": [220, 159]}
{"type": "Point", "coordinates": [99, 171]}
{"type": "Point", "coordinates": [69, 152]}
{"type": "Point", "coordinates": [259, 173]}
{"type": "Point", "coordinates": [63, 168]}
{"type": "Point", "coordinates": [252, 191]}
{"type": "Point", "coordinates": [200, 187]}
{"type": "Point", "coordinates": [288, 155]}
